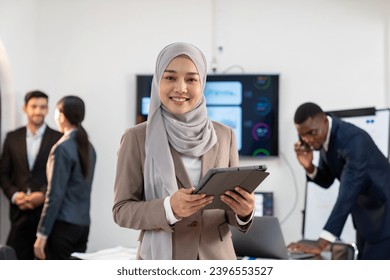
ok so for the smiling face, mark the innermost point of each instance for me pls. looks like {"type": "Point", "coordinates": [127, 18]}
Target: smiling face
{"type": "Point", "coordinates": [180, 88]}
{"type": "Point", "coordinates": [36, 110]}
{"type": "Point", "coordinates": [313, 131]}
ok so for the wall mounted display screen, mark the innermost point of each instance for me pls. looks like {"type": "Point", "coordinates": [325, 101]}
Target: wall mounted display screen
{"type": "Point", "coordinates": [248, 103]}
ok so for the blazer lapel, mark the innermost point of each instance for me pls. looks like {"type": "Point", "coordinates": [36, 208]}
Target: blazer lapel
{"type": "Point", "coordinates": [180, 170]}
{"type": "Point", "coordinates": [208, 159]}
{"type": "Point", "coordinates": [332, 153]}
{"type": "Point", "coordinates": [43, 147]}
{"type": "Point", "coordinates": [22, 145]}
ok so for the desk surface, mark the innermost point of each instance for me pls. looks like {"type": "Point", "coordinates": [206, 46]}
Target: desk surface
{"type": "Point", "coordinates": [116, 253]}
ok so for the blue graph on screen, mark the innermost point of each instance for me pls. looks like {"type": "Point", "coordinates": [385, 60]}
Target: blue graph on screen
{"type": "Point", "coordinates": [223, 93]}
{"type": "Point", "coordinates": [230, 116]}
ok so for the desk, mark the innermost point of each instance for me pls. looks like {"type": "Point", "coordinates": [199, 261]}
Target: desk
{"type": "Point", "coordinates": [116, 253]}
{"type": "Point", "coordinates": [324, 256]}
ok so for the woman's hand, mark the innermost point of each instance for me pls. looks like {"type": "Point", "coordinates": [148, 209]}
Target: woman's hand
{"type": "Point", "coordinates": [184, 203]}
{"type": "Point", "coordinates": [39, 248]}
{"type": "Point", "coordinates": [240, 201]}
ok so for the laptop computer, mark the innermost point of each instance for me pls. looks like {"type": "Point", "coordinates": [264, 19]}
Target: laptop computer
{"type": "Point", "coordinates": [264, 240]}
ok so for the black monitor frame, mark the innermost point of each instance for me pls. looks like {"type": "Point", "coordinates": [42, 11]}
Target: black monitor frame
{"type": "Point", "coordinates": [256, 113]}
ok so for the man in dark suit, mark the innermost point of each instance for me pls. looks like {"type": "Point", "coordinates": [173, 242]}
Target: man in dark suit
{"type": "Point", "coordinates": [23, 173]}
{"type": "Point", "coordinates": [347, 153]}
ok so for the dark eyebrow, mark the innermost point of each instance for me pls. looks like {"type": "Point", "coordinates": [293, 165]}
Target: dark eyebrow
{"type": "Point", "coordinates": [188, 73]}
{"type": "Point", "coordinates": [193, 73]}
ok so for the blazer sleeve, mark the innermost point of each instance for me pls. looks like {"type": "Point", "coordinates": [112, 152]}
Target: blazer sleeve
{"type": "Point", "coordinates": [58, 178]}
{"type": "Point", "coordinates": [130, 209]}
{"type": "Point", "coordinates": [324, 177]}
{"type": "Point", "coordinates": [355, 153]}
{"type": "Point", "coordinates": [6, 170]}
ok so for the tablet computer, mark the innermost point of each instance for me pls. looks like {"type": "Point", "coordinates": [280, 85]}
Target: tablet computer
{"type": "Point", "coordinates": [218, 180]}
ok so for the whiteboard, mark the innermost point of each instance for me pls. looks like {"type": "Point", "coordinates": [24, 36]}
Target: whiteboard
{"type": "Point", "coordinates": [319, 201]}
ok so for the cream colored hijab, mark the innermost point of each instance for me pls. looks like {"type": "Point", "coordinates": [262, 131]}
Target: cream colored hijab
{"type": "Point", "coordinates": [191, 134]}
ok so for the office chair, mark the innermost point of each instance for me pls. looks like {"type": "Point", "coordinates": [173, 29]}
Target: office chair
{"type": "Point", "coordinates": [7, 253]}
{"type": "Point", "coordinates": [343, 251]}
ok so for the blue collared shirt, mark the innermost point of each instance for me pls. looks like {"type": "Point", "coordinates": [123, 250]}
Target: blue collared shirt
{"type": "Point", "coordinates": [33, 141]}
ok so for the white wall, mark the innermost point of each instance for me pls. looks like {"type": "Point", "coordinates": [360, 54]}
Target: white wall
{"type": "Point", "coordinates": [333, 52]}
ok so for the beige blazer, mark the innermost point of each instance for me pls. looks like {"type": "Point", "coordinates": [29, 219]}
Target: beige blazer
{"type": "Point", "coordinates": [204, 235]}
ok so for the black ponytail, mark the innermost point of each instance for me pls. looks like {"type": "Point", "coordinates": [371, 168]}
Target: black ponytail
{"type": "Point", "coordinates": [73, 109]}
{"type": "Point", "coordinates": [83, 149]}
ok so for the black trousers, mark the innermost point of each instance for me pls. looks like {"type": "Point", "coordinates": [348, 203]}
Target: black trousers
{"type": "Point", "coordinates": [23, 234]}
{"type": "Point", "coordinates": [65, 239]}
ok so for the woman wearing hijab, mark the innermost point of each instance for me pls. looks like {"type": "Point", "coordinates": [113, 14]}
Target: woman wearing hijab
{"type": "Point", "coordinates": [64, 224]}
{"type": "Point", "coordinates": [160, 161]}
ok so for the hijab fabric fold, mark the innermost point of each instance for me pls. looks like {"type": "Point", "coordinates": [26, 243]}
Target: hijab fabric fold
{"type": "Point", "coordinates": [190, 134]}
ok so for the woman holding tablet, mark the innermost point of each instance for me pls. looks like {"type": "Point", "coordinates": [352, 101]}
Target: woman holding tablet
{"type": "Point", "coordinates": [160, 161]}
